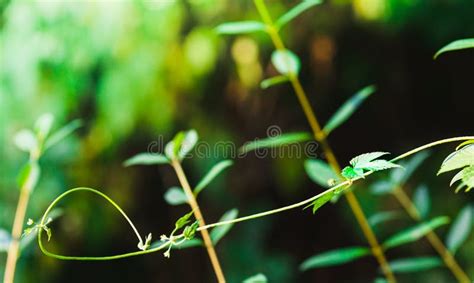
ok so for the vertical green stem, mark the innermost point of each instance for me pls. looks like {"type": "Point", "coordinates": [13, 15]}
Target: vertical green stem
{"type": "Point", "coordinates": [434, 240]}
{"type": "Point", "coordinates": [197, 213]}
{"type": "Point", "coordinates": [321, 137]}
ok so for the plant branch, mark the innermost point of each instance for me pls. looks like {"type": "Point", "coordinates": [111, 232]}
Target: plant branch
{"type": "Point", "coordinates": [320, 136]}
{"type": "Point", "coordinates": [197, 213]}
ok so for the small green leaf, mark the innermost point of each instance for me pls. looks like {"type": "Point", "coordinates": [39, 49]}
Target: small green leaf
{"type": "Point", "coordinates": [220, 231]}
{"type": "Point", "coordinates": [360, 160]}
{"type": "Point", "coordinates": [456, 45]}
{"type": "Point", "coordinates": [181, 145]}
{"type": "Point", "coordinates": [190, 231]}
{"type": "Point", "coordinates": [212, 174]}
{"type": "Point", "coordinates": [322, 200]}
{"type": "Point", "coordinates": [334, 257]}
{"type": "Point", "coordinates": [414, 264]}
{"type": "Point", "coordinates": [175, 196]}
{"type": "Point", "coordinates": [383, 216]}
{"type": "Point", "coordinates": [415, 233]}
{"type": "Point", "coordinates": [458, 159]}
{"type": "Point", "coordinates": [240, 27]}
{"type": "Point", "coordinates": [348, 108]}
{"type": "Point", "coordinates": [26, 140]}
{"type": "Point", "coordinates": [62, 133]}
{"type": "Point", "coordinates": [273, 81]}
{"type": "Point", "coordinates": [296, 11]}
{"type": "Point", "coordinates": [29, 176]}
{"type": "Point", "coordinates": [349, 173]}
{"type": "Point", "coordinates": [460, 229]}
{"type": "Point", "coordinates": [320, 172]}
{"type": "Point", "coordinates": [146, 159]}
{"type": "Point", "coordinates": [258, 278]}
{"type": "Point", "coordinates": [286, 62]}
{"type": "Point", "coordinates": [421, 199]}
{"type": "Point", "coordinates": [183, 220]}
{"type": "Point", "coordinates": [466, 175]}
{"type": "Point", "coordinates": [378, 165]}
{"type": "Point", "coordinates": [278, 141]}
{"type": "Point", "coordinates": [43, 125]}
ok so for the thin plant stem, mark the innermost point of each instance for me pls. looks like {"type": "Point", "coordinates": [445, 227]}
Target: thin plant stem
{"type": "Point", "coordinates": [434, 240]}
{"type": "Point", "coordinates": [320, 136]}
{"type": "Point", "coordinates": [197, 213]}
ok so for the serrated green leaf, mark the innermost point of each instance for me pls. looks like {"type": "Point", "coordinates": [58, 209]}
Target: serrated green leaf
{"type": "Point", "coordinates": [383, 216]}
{"type": "Point", "coordinates": [456, 45]}
{"type": "Point", "coordinates": [360, 160]}
{"type": "Point", "coordinates": [316, 204]}
{"type": "Point", "coordinates": [240, 27]}
{"type": "Point", "coordinates": [183, 220]}
{"type": "Point", "coordinates": [349, 173]}
{"type": "Point", "coordinates": [220, 231]}
{"type": "Point", "coordinates": [334, 257]}
{"type": "Point", "coordinates": [212, 174]}
{"type": "Point", "coordinates": [43, 125]}
{"type": "Point", "coordinates": [175, 196]}
{"type": "Point", "coordinates": [274, 142]}
{"type": "Point", "coordinates": [415, 233]}
{"type": "Point", "coordinates": [62, 133]}
{"type": "Point", "coordinates": [29, 176]}
{"type": "Point", "coordinates": [258, 278]}
{"type": "Point", "coordinates": [146, 159]}
{"type": "Point", "coordinates": [273, 81]}
{"type": "Point", "coordinates": [286, 62]}
{"type": "Point", "coordinates": [378, 165]}
{"type": "Point", "coordinates": [460, 229]}
{"type": "Point", "coordinates": [25, 140]}
{"type": "Point", "coordinates": [458, 159]}
{"type": "Point", "coordinates": [421, 199]}
{"type": "Point", "coordinates": [320, 172]}
{"type": "Point", "coordinates": [296, 11]}
{"type": "Point", "coordinates": [348, 108]}
{"type": "Point", "coordinates": [414, 264]}
{"type": "Point", "coordinates": [466, 175]}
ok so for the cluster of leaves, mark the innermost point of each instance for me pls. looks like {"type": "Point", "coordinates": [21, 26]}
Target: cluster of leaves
{"type": "Point", "coordinates": [462, 158]}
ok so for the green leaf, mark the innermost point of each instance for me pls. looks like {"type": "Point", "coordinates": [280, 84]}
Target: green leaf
{"type": "Point", "coordinates": [146, 159]}
{"type": "Point", "coordinates": [175, 196]}
{"type": "Point", "coordinates": [296, 11]}
{"type": "Point", "coordinates": [62, 133]}
{"type": "Point", "coordinates": [320, 172]}
{"type": "Point", "coordinates": [258, 278]}
{"type": "Point", "coordinates": [212, 174]}
{"type": "Point", "coordinates": [378, 165]}
{"type": "Point", "coordinates": [29, 176]}
{"type": "Point", "coordinates": [456, 45]}
{"type": "Point", "coordinates": [183, 220]}
{"type": "Point", "coordinates": [360, 160]}
{"type": "Point", "coordinates": [415, 233]}
{"type": "Point", "coordinates": [383, 216]}
{"type": "Point", "coordinates": [43, 125]}
{"type": "Point", "coordinates": [28, 239]}
{"type": "Point", "coordinates": [414, 264]}
{"type": "Point", "coordinates": [240, 27]}
{"type": "Point", "coordinates": [190, 231]}
{"type": "Point", "coordinates": [5, 240]}
{"type": "Point", "coordinates": [286, 62]}
{"type": "Point", "coordinates": [220, 231]}
{"type": "Point", "coordinates": [334, 257]}
{"type": "Point", "coordinates": [466, 176]}
{"type": "Point", "coordinates": [273, 81]}
{"type": "Point", "coordinates": [348, 108]}
{"type": "Point", "coordinates": [26, 140]}
{"type": "Point", "coordinates": [458, 159]}
{"type": "Point", "coordinates": [421, 199]}
{"type": "Point", "coordinates": [322, 200]}
{"type": "Point", "coordinates": [460, 229]}
{"type": "Point", "coordinates": [181, 145]}
{"type": "Point", "coordinates": [349, 173]}
{"type": "Point", "coordinates": [278, 141]}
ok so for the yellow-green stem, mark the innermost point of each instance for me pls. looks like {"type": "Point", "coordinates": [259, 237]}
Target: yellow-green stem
{"type": "Point", "coordinates": [320, 136]}
{"type": "Point", "coordinates": [197, 213]}
{"type": "Point", "coordinates": [434, 240]}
